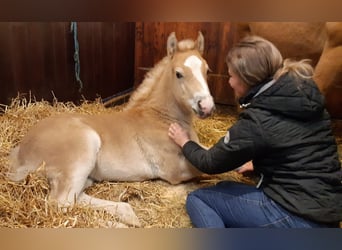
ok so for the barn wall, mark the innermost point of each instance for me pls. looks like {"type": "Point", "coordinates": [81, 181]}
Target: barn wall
{"type": "Point", "coordinates": [39, 57]}
{"type": "Point", "coordinates": [150, 47]}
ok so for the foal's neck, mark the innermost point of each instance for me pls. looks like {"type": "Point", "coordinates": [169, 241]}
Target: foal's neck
{"type": "Point", "coordinates": [168, 116]}
{"type": "Point", "coordinates": [164, 104]}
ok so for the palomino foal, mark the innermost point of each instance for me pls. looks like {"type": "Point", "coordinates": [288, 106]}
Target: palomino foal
{"type": "Point", "coordinates": [131, 145]}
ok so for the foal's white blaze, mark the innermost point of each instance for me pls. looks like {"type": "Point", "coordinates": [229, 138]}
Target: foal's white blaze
{"type": "Point", "coordinates": [202, 102]}
{"type": "Point", "coordinates": [195, 64]}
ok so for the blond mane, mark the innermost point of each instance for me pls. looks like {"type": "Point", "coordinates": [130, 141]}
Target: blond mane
{"type": "Point", "coordinates": [141, 94]}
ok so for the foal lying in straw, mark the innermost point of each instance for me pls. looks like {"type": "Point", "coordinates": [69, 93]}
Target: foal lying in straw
{"type": "Point", "coordinates": [132, 145]}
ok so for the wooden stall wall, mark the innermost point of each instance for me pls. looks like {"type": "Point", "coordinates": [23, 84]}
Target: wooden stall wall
{"type": "Point", "coordinates": [38, 57]}
{"type": "Point", "coordinates": [107, 57]}
{"type": "Point", "coordinates": [150, 47]}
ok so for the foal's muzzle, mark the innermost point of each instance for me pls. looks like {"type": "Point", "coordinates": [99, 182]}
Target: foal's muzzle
{"type": "Point", "coordinates": [204, 106]}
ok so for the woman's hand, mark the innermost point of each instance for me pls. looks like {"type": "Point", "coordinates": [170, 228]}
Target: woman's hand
{"type": "Point", "coordinates": [178, 134]}
{"type": "Point", "coordinates": [245, 168]}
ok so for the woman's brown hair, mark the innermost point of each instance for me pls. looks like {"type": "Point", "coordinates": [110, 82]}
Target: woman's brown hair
{"type": "Point", "coordinates": [255, 60]}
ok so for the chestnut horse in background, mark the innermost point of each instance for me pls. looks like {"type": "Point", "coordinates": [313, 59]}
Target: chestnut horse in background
{"type": "Point", "coordinates": [320, 42]}
{"type": "Point", "coordinates": [130, 145]}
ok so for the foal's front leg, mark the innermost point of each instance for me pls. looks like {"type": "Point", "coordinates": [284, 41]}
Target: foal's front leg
{"type": "Point", "coordinates": [122, 210]}
{"type": "Point", "coordinates": [66, 190]}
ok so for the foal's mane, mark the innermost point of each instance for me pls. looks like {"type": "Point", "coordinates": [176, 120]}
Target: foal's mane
{"type": "Point", "coordinates": [141, 94]}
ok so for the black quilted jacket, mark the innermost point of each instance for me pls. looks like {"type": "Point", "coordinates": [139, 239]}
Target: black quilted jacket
{"type": "Point", "coordinates": [286, 131]}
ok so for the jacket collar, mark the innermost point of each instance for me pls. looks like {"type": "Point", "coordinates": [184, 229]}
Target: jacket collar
{"type": "Point", "coordinates": [255, 91]}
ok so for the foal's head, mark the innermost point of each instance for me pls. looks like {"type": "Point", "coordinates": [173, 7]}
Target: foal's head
{"type": "Point", "coordinates": [189, 74]}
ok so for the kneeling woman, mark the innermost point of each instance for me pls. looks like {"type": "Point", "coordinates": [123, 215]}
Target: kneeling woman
{"type": "Point", "coordinates": [285, 131]}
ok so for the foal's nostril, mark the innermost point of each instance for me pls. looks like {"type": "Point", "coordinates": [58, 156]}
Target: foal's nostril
{"type": "Point", "coordinates": [205, 106]}
{"type": "Point", "coordinates": [199, 104]}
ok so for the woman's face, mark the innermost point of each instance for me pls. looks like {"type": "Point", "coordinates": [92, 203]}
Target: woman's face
{"type": "Point", "coordinates": [240, 88]}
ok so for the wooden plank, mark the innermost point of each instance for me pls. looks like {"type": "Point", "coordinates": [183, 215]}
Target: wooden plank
{"type": "Point", "coordinates": [107, 58]}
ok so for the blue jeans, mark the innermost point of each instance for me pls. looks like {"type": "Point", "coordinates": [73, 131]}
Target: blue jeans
{"type": "Point", "coordinates": [237, 205]}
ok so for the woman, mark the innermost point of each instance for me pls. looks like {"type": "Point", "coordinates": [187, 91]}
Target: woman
{"type": "Point", "coordinates": [285, 131]}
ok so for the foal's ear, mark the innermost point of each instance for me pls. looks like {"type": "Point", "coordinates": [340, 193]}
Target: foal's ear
{"type": "Point", "coordinates": [171, 44]}
{"type": "Point", "coordinates": [200, 42]}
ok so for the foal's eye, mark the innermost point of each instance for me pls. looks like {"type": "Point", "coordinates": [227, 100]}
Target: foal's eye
{"type": "Point", "coordinates": [179, 75]}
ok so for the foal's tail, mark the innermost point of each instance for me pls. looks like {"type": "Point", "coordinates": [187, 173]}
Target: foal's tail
{"type": "Point", "coordinates": [17, 170]}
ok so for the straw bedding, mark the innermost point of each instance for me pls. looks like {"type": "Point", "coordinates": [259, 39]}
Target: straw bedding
{"type": "Point", "coordinates": [156, 203]}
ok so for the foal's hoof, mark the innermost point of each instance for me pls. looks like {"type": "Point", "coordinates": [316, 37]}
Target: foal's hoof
{"type": "Point", "coordinates": [132, 220]}
{"type": "Point", "coordinates": [126, 214]}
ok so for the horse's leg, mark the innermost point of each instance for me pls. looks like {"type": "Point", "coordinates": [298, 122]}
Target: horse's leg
{"type": "Point", "coordinates": [68, 183]}
{"type": "Point", "coordinates": [18, 171]}
{"type": "Point", "coordinates": [67, 187]}
{"type": "Point", "coordinates": [122, 210]}
{"type": "Point", "coordinates": [328, 75]}
{"type": "Point", "coordinates": [67, 190]}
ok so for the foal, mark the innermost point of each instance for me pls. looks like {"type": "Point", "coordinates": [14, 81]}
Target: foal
{"type": "Point", "coordinates": [131, 145]}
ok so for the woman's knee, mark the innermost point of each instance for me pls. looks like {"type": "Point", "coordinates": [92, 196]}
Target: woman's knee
{"type": "Point", "coordinates": [192, 199]}
{"type": "Point", "coordinates": [201, 213]}
{"type": "Point", "coordinates": [195, 200]}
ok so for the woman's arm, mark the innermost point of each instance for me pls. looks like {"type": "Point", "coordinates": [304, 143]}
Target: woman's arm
{"type": "Point", "coordinates": [224, 156]}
